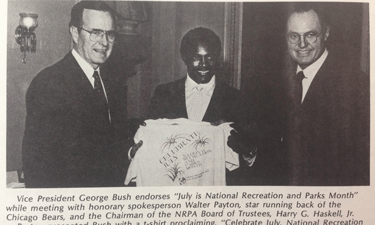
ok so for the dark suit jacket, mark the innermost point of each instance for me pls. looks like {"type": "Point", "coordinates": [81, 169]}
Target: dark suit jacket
{"type": "Point", "coordinates": [68, 140]}
{"type": "Point", "coordinates": [226, 103]}
{"type": "Point", "coordinates": [327, 137]}
{"type": "Point", "coordinates": [168, 101]}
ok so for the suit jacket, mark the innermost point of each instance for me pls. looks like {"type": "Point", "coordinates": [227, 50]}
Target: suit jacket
{"type": "Point", "coordinates": [168, 101]}
{"type": "Point", "coordinates": [226, 103]}
{"type": "Point", "coordinates": [68, 140]}
{"type": "Point", "coordinates": [327, 136]}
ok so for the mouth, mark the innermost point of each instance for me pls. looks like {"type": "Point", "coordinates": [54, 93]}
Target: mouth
{"type": "Point", "coordinates": [203, 72]}
{"type": "Point", "coordinates": [101, 51]}
{"type": "Point", "coordinates": [304, 52]}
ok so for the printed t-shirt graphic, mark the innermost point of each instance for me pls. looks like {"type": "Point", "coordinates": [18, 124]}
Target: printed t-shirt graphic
{"type": "Point", "coordinates": [182, 152]}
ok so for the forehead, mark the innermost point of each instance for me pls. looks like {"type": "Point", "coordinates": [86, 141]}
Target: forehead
{"type": "Point", "coordinates": [202, 48]}
{"type": "Point", "coordinates": [303, 22]}
{"type": "Point", "coordinates": [96, 19]}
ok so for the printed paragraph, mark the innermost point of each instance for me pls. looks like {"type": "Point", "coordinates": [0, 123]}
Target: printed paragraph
{"type": "Point", "coordinates": [188, 208]}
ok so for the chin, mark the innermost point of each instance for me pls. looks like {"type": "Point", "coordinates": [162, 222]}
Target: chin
{"type": "Point", "coordinates": [100, 60]}
{"type": "Point", "coordinates": [205, 80]}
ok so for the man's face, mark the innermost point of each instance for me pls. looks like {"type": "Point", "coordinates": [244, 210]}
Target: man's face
{"type": "Point", "coordinates": [94, 52]}
{"type": "Point", "coordinates": [201, 63]}
{"type": "Point", "coordinates": [304, 52]}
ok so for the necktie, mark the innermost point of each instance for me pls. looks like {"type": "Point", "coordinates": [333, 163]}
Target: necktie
{"type": "Point", "coordinates": [98, 88]}
{"type": "Point", "coordinates": [298, 93]}
{"type": "Point", "coordinates": [196, 113]}
{"type": "Point", "coordinates": [101, 101]}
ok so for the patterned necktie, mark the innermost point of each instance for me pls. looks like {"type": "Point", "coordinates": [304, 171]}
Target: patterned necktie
{"type": "Point", "coordinates": [98, 88]}
{"type": "Point", "coordinates": [100, 95]}
{"type": "Point", "coordinates": [196, 113]}
{"type": "Point", "coordinates": [299, 77]}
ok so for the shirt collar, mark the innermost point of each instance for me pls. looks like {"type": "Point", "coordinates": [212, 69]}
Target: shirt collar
{"type": "Point", "coordinates": [85, 66]}
{"type": "Point", "coordinates": [208, 88]}
{"type": "Point", "coordinates": [312, 70]}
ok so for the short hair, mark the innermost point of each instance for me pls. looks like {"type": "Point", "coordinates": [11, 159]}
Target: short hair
{"type": "Point", "coordinates": [200, 35]}
{"type": "Point", "coordinates": [76, 19]}
{"type": "Point", "coordinates": [318, 8]}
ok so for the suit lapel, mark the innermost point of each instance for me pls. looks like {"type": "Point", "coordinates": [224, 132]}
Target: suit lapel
{"type": "Point", "coordinates": [318, 85]}
{"type": "Point", "coordinates": [83, 94]}
{"type": "Point", "coordinates": [76, 77]}
{"type": "Point", "coordinates": [180, 99]}
{"type": "Point", "coordinates": [214, 111]}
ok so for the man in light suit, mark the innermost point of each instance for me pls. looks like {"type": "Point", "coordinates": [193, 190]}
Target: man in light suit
{"type": "Point", "coordinates": [327, 106]}
{"type": "Point", "coordinates": [75, 123]}
{"type": "Point", "coordinates": [201, 96]}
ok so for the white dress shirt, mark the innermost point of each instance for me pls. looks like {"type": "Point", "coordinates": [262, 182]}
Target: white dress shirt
{"type": "Point", "coordinates": [310, 73]}
{"type": "Point", "coordinates": [198, 97]}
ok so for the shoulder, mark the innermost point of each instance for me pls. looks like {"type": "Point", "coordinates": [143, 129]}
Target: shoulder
{"type": "Point", "coordinates": [173, 86]}
{"type": "Point", "coordinates": [345, 68]}
{"type": "Point", "coordinates": [226, 89]}
{"type": "Point", "coordinates": [65, 66]}
{"type": "Point", "coordinates": [54, 76]}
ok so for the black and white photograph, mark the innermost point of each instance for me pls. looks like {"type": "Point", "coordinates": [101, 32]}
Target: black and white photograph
{"type": "Point", "coordinates": [235, 97]}
{"type": "Point", "coordinates": [288, 88]}
{"type": "Point", "coordinates": [279, 96]}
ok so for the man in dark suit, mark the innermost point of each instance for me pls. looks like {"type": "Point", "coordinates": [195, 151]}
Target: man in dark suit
{"type": "Point", "coordinates": [76, 111]}
{"type": "Point", "coordinates": [327, 106]}
{"type": "Point", "coordinates": [200, 96]}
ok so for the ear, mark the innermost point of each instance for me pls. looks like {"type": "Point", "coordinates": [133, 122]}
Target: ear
{"type": "Point", "coordinates": [327, 33]}
{"type": "Point", "coordinates": [74, 32]}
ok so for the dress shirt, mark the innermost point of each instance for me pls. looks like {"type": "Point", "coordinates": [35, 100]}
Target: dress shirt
{"type": "Point", "coordinates": [310, 72]}
{"type": "Point", "coordinates": [191, 92]}
{"type": "Point", "coordinates": [88, 70]}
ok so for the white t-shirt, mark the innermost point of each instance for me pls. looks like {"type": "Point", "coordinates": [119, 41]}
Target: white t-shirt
{"type": "Point", "coordinates": [181, 152]}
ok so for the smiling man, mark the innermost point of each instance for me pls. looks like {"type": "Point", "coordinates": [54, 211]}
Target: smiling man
{"type": "Point", "coordinates": [200, 96]}
{"type": "Point", "coordinates": [75, 112]}
{"type": "Point", "coordinates": [197, 96]}
{"type": "Point", "coordinates": [327, 132]}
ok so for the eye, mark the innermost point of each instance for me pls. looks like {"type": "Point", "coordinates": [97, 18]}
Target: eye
{"type": "Point", "coordinates": [293, 36]}
{"type": "Point", "coordinates": [196, 57]}
{"type": "Point", "coordinates": [111, 34]}
{"type": "Point", "coordinates": [97, 32]}
{"type": "Point", "coordinates": [311, 35]}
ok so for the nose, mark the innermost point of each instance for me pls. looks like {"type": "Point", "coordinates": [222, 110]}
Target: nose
{"type": "Point", "coordinates": [104, 41]}
{"type": "Point", "coordinates": [203, 61]}
{"type": "Point", "coordinates": [302, 43]}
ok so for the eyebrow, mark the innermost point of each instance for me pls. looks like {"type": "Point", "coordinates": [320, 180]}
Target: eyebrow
{"type": "Point", "coordinates": [308, 32]}
{"type": "Point", "coordinates": [103, 30]}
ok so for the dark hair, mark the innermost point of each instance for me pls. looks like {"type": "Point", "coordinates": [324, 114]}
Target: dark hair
{"type": "Point", "coordinates": [200, 35]}
{"type": "Point", "coordinates": [77, 11]}
{"type": "Point", "coordinates": [318, 8]}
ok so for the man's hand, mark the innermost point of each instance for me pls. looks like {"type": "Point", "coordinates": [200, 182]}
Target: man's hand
{"type": "Point", "coordinates": [135, 148]}
{"type": "Point", "coordinates": [239, 144]}
{"type": "Point", "coordinates": [133, 125]}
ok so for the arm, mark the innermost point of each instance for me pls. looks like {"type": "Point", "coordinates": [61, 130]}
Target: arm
{"type": "Point", "coordinates": [42, 162]}
{"type": "Point", "coordinates": [156, 110]}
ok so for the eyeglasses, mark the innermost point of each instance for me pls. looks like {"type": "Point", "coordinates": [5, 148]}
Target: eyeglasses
{"type": "Point", "coordinates": [310, 37]}
{"type": "Point", "coordinates": [97, 35]}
